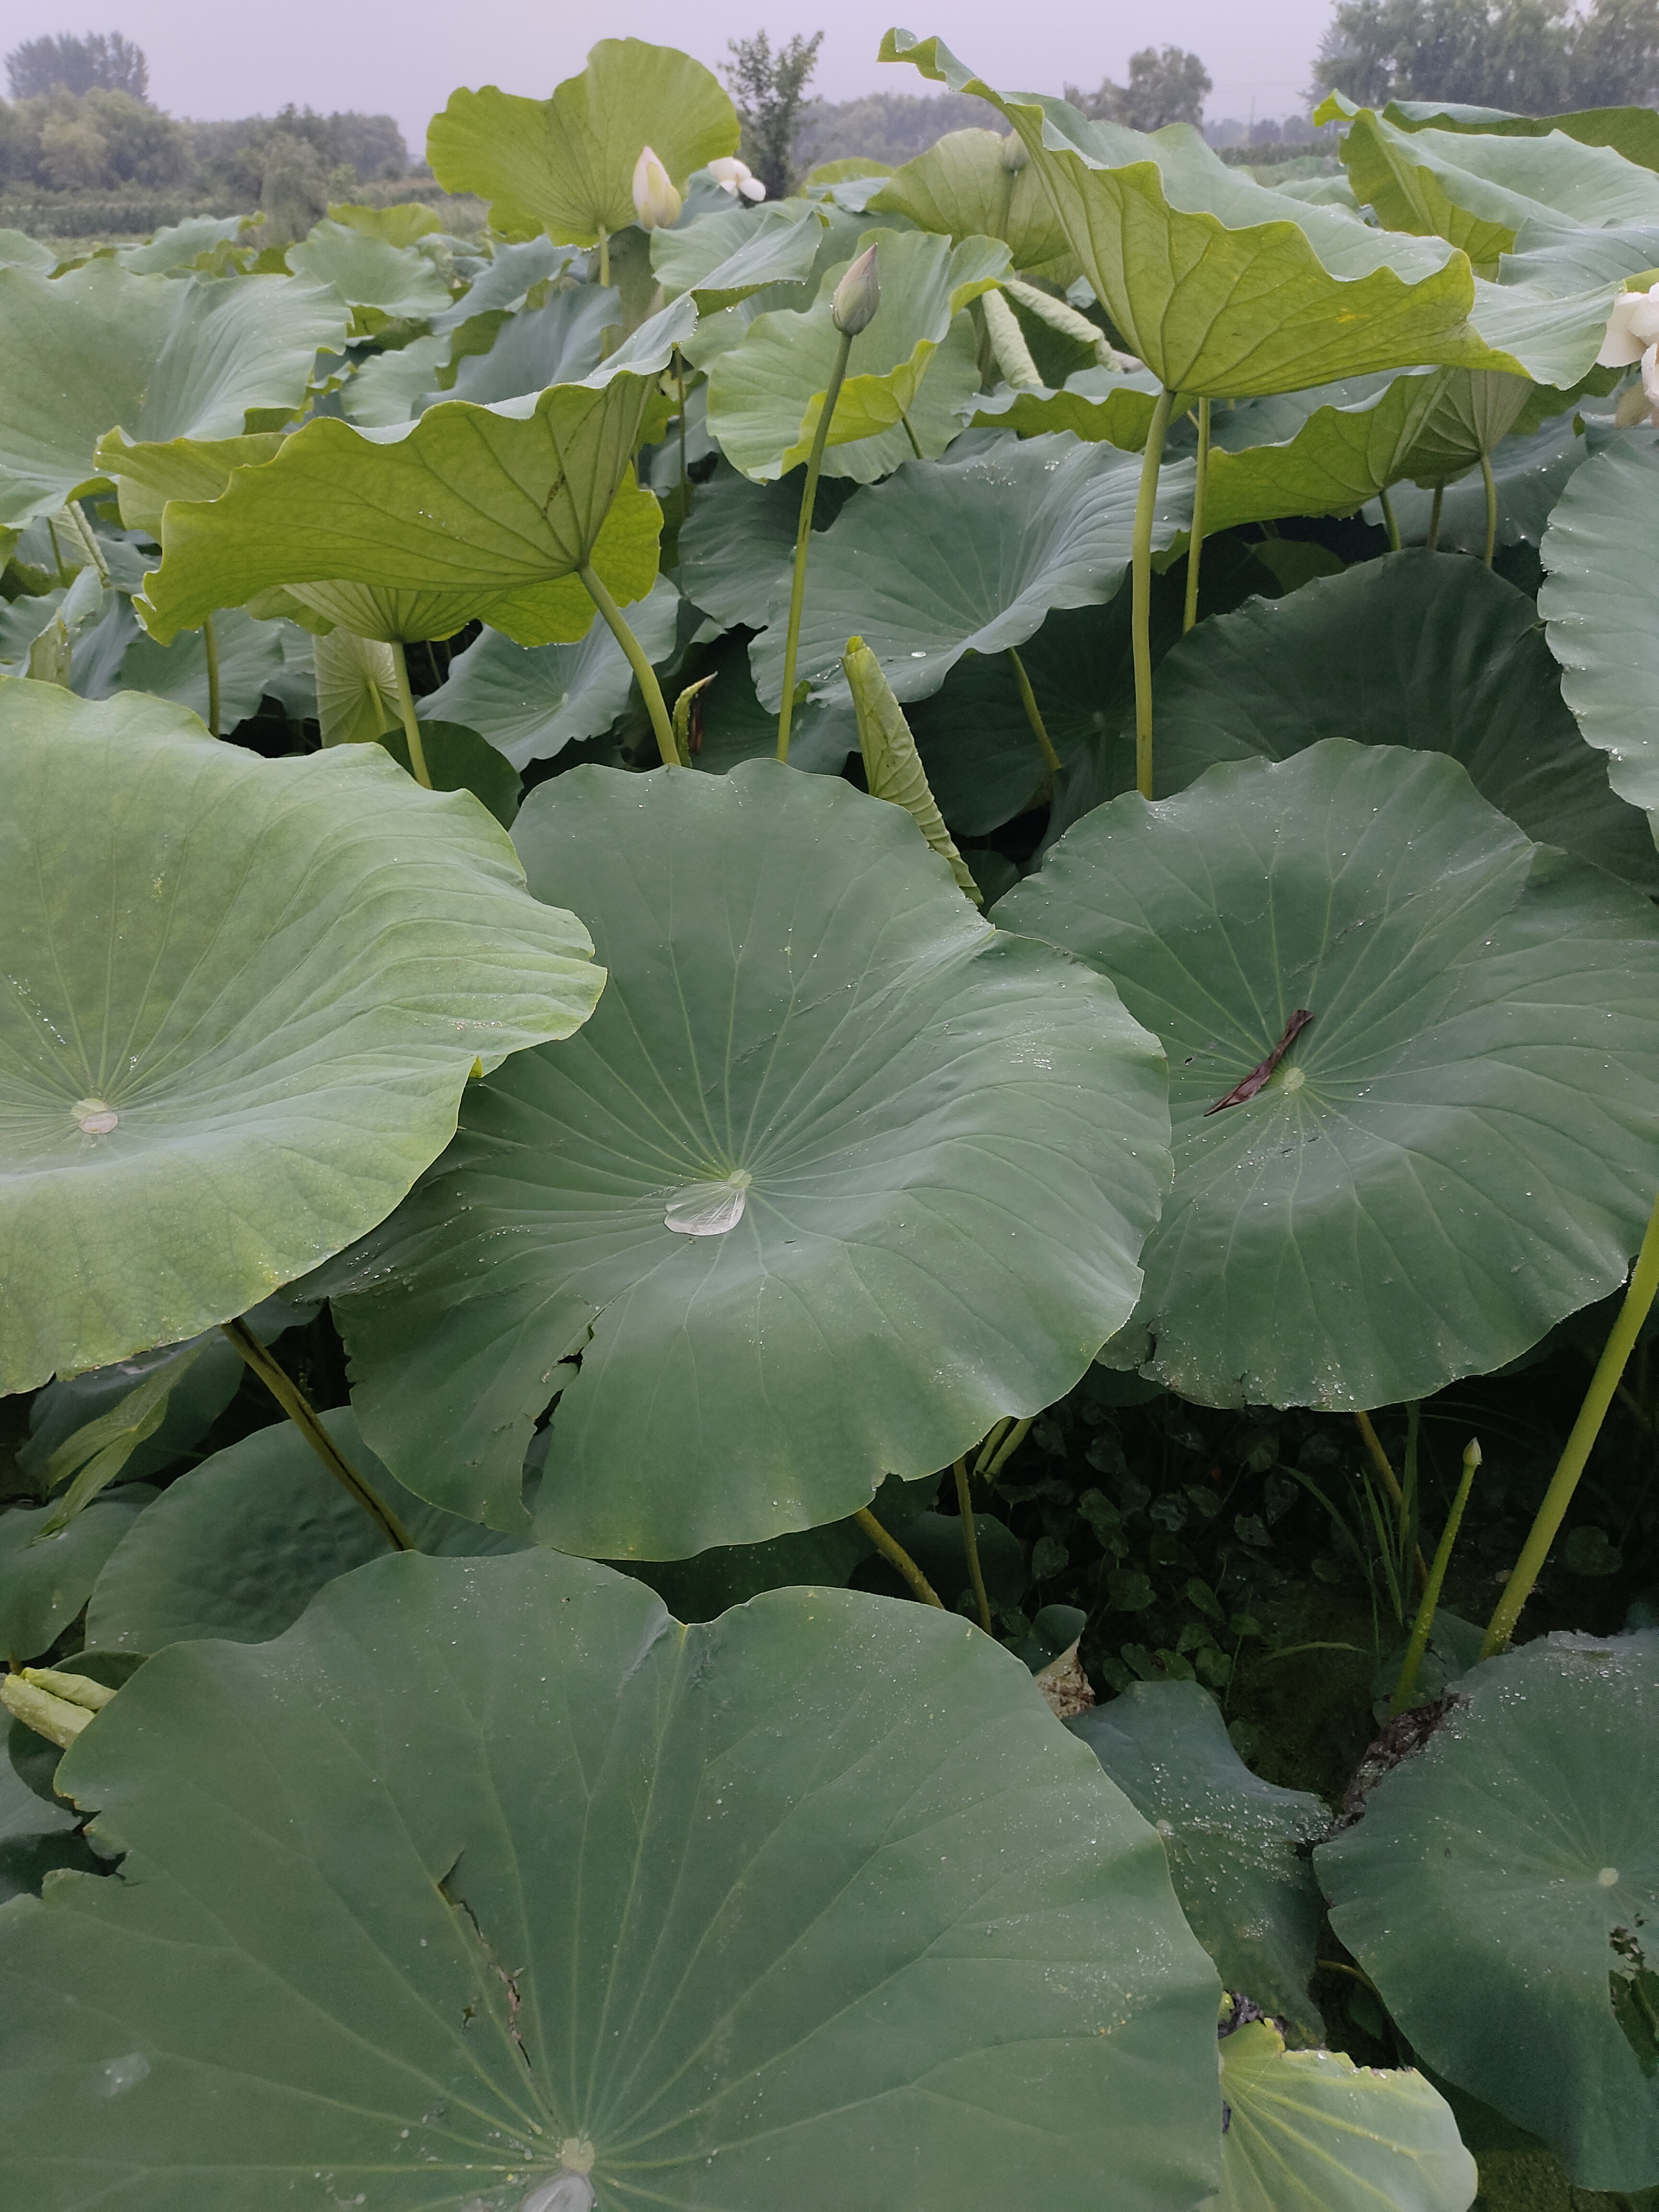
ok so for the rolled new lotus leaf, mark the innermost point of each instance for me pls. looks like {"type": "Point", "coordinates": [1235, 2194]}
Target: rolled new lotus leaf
{"type": "Point", "coordinates": [953, 1142]}
{"type": "Point", "coordinates": [1309, 2132]}
{"type": "Point", "coordinates": [965, 555]}
{"type": "Point", "coordinates": [1599, 601]}
{"type": "Point", "coordinates": [1219, 291]}
{"type": "Point", "coordinates": [159, 358]}
{"type": "Point", "coordinates": [1502, 1891]}
{"type": "Point", "coordinates": [977, 184]}
{"type": "Point", "coordinates": [565, 166]}
{"type": "Point", "coordinates": [489, 1885]}
{"type": "Point", "coordinates": [476, 511]}
{"type": "Point", "coordinates": [912, 364]}
{"type": "Point", "coordinates": [245, 998]}
{"type": "Point", "coordinates": [1419, 649]}
{"type": "Point", "coordinates": [1457, 1151]}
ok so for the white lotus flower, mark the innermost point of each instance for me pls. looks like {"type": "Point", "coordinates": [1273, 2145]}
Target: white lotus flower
{"type": "Point", "coordinates": [655, 200]}
{"type": "Point", "coordinates": [1633, 329]}
{"type": "Point", "coordinates": [734, 176]}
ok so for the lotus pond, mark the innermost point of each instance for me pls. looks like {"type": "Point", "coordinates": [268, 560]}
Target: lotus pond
{"type": "Point", "coordinates": [828, 1128]}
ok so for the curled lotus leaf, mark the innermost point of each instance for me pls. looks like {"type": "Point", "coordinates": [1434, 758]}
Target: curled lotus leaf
{"type": "Point", "coordinates": [382, 283]}
{"type": "Point", "coordinates": [976, 183]}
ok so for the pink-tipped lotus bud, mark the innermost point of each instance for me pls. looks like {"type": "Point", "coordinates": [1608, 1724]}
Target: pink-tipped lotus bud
{"type": "Point", "coordinates": [857, 296]}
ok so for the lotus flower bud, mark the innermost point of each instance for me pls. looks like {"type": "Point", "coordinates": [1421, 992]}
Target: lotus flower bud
{"type": "Point", "coordinates": [734, 176]}
{"type": "Point", "coordinates": [1015, 153]}
{"type": "Point", "coordinates": [857, 296]}
{"type": "Point", "coordinates": [655, 200]}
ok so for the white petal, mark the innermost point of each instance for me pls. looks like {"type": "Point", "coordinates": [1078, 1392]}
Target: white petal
{"type": "Point", "coordinates": [751, 188]}
{"type": "Point", "coordinates": [708, 1209]}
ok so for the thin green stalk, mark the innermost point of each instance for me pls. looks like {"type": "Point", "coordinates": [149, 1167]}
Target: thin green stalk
{"type": "Point", "coordinates": [1638, 1299]}
{"type": "Point", "coordinates": [1434, 517]}
{"type": "Point", "coordinates": [1379, 1461]}
{"type": "Point", "coordinates": [971, 1543]}
{"type": "Point", "coordinates": [1423, 1626]}
{"type": "Point", "coordinates": [679, 391]}
{"type": "Point", "coordinates": [605, 255]}
{"type": "Point", "coordinates": [210, 645]}
{"type": "Point", "coordinates": [911, 435]}
{"type": "Point", "coordinates": [1492, 507]}
{"type": "Point", "coordinates": [896, 1556]}
{"type": "Point", "coordinates": [803, 538]}
{"type": "Point", "coordinates": [655, 705]}
{"type": "Point", "coordinates": [1141, 591]}
{"type": "Point", "coordinates": [406, 714]}
{"type": "Point", "coordinates": [994, 1437]}
{"type": "Point", "coordinates": [1034, 714]}
{"type": "Point", "coordinates": [1195, 540]}
{"type": "Point", "coordinates": [1390, 523]}
{"type": "Point", "coordinates": [1005, 1450]}
{"type": "Point", "coordinates": [299, 1410]}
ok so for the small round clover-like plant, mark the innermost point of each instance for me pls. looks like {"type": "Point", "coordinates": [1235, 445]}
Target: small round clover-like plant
{"type": "Point", "coordinates": [241, 1000]}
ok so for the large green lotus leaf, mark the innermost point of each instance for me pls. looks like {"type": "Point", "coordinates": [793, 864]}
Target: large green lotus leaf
{"type": "Point", "coordinates": [244, 998]}
{"type": "Point", "coordinates": [179, 247]}
{"type": "Point", "coordinates": [1421, 649]}
{"type": "Point", "coordinates": [532, 701]}
{"type": "Point", "coordinates": [1502, 1888]}
{"type": "Point", "coordinates": [1480, 192]}
{"type": "Point", "coordinates": [766, 393]}
{"type": "Point", "coordinates": [249, 658]}
{"type": "Point", "coordinates": [1631, 131]}
{"type": "Point", "coordinates": [1309, 2132]}
{"type": "Point", "coordinates": [1222, 286]}
{"type": "Point", "coordinates": [35, 1838]}
{"type": "Point", "coordinates": [808, 1201]}
{"type": "Point", "coordinates": [1598, 602]}
{"type": "Point", "coordinates": [725, 256]}
{"type": "Point", "coordinates": [1459, 1151]}
{"type": "Point", "coordinates": [488, 1886]}
{"type": "Point", "coordinates": [1094, 403]}
{"type": "Point", "coordinates": [733, 725]}
{"type": "Point", "coordinates": [559, 343]}
{"type": "Point", "coordinates": [566, 165]}
{"type": "Point", "coordinates": [965, 555]}
{"type": "Point", "coordinates": [1230, 1839]}
{"type": "Point", "coordinates": [976, 183]}
{"type": "Point", "coordinates": [161, 357]}
{"type": "Point", "coordinates": [19, 251]}
{"type": "Point", "coordinates": [246, 1539]}
{"type": "Point", "coordinates": [394, 387]}
{"type": "Point", "coordinates": [44, 1580]}
{"type": "Point", "coordinates": [739, 539]}
{"type": "Point", "coordinates": [147, 476]}
{"type": "Point", "coordinates": [484, 512]}
{"type": "Point", "coordinates": [394, 282]}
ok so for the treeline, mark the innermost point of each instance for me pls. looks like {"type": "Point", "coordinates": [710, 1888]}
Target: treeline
{"type": "Point", "coordinates": [1533, 57]}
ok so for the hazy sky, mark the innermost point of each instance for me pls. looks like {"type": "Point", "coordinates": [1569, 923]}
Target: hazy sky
{"type": "Point", "coordinates": [404, 57]}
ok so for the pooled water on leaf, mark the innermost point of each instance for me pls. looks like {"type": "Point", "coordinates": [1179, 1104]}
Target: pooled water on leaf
{"type": "Point", "coordinates": [710, 1208]}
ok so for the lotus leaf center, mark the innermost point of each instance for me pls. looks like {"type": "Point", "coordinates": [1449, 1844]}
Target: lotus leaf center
{"type": "Point", "coordinates": [1295, 1078]}
{"type": "Point", "coordinates": [1608, 1877]}
{"type": "Point", "coordinates": [708, 1208]}
{"type": "Point", "coordinates": [93, 1117]}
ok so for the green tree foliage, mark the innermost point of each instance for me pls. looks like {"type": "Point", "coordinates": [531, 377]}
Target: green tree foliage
{"type": "Point", "coordinates": [769, 90]}
{"type": "Point", "coordinates": [891, 127]}
{"type": "Point", "coordinates": [98, 141]}
{"type": "Point", "coordinates": [97, 62]}
{"type": "Point", "coordinates": [1164, 87]}
{"type": "Point", "coordinates": [1533, 57]}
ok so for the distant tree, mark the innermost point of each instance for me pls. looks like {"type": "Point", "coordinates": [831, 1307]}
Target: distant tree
{"type": "Point", "coordinates": [769, 91]}
{"type": "Point", "coordinates": [1166, 87]}
{"type": "Point", "coordinates": [1533, 57]}
{"type": "Point", "coordinates": [99, 62]}
{"type": "Point", "coordinates": [892, 127]}
{"type": "Point", "coordinates": [1615, 56]}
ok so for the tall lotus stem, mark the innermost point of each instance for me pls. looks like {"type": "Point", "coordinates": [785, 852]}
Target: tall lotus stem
{"type": "Point", "coordinates": [1423, 1626]}
{"type": "Point", "coordinates": [1390, 521]}
{"type": "Point", "coordinates": [298, 1408]}
{"type": "Point", "coordinates": [1492, 507]}
{"type": "Point", "coordinates": [1435, 505]}
{"type": "Point", "coordinates": [210, 645]}
{"type": "Point", "coordinates": [896, 1556]}
{"type": "Point", "coordinates": [406, 715]}
{"type": "Point", "coordinates": [655, 705]}
{"type": "Point", "coordinates": [1621, 1342]}
{"type": "Point", "coordinates": [970, 1546]}
{"type": "Point", "coordinates": [1140, 602]}
{"type": "Point", "coordinates": [605, 255]}
{"type": "Point", "coordinates": [1051, 759]}
{"type": "Point", "coordinates": [1195, 538]}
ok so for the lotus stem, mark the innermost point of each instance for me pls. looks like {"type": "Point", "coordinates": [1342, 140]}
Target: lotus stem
{"type": "Point", "coordinates": [1621, 1341]}
{"type": "Point", "coordinates": [1492, 507]}
{"type": "Point", "coordinates": [1390, 522]}
{"type": "Point", "coordinates": [971, 1543]}
{"type": "Point", "coordinates": [1384, 1467]}
{"type": "Point", "coordinates": [655, 705]}
{"type": "Point", "coordinates": [1051, 759]}
{"type": "Point", "coordinates": [994, 1437]}
{"type": "Point", "coordinates": [1005, 1450]}
{"type": "Point", "coordinates": [896, 1556]}
{"type": "Point", "coordinates": [406, 714]}
{"type": "Point", "coordinates": [802, 538]}
{"type": "Point", "coordinates": [1141, 591]}
{"type": "Point", "coordinates": [605, 255]}
{"type": "Point", "coordinates": [1423, 1626]}
{"type": "Point", "coordinates": [1434, 517]}
{"type": "Point", "coordinates": [685, 474]}
{"type": "Point", "coordinates": [299, 1410]}
{"type": "Point", "coordinates": [1195, 537]}
{"type": "Point", "coordinates": [211, 646]}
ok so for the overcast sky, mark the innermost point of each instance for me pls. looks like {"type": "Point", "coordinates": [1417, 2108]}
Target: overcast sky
{"type": "Point", "coordinates": [404, 57]}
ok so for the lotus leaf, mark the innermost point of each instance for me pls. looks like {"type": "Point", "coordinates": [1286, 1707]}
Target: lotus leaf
{"type": "Point", "coordinates": [1095, 404]}
{"type": "Point", "coordinates": [35, 1837]}
{"type": "Point", "coordinates": [19, 251]}
{"type": "Point", "coordinates": [892, 766]}
{"type": "Point", "coordinates": [1529, 474]}
{"type": "Point", "coordinates": [179, 246]}
{"type": "Point", "coordinates": [740, 537]}
{"type": "Point", "coordinates": [160, 357]}
{"type": "Point", "coordinates": [1418, 649]}
{"type": "Point", "coordinates": [1309, 2132]}
{"type": "Point", "coordinates": [733, 725]}
{"type": "Point", "coordinates": [1230, 1839]}
{"type": "Point", "coordinates": [766, 393]}
{"type": "Point", "coordinates": [965, 555]}
{"type": "Point", "coordinates": [459, 759]}
{"type": "Point", "coordinates": [484, 512]}
{"type": "Point", "coordinates": [250, 656]}
{"type": "Point", "coordinates": [1631, 131]}
{"type": "Point", "coordinates": [1512, 1950]}
{"type": "Point", "coordinates": [147, 476]}
{"type": "Point", "coordinates": [504, 282]}
{"type": "Point", "coordinates": [1221, 286]}
{"type": "Point", "coordinates": [725, 256]}
{"type": "Point", "coordinates": [393, 387]}
{"type": "Point", "coordinates": [805, 1201]}
{"type": "Point", "coordinates": [565, 166]}
{"type": "Point", "coordinates": [356, 688]}
{"type": "Point", "coordinates": [1458, 1150]}
{"type": "Point", "coordinates": [531, 702]}
{"type": "Point", "coordinates": [1598, 604]}
{"type": "Point", "coordinates": [976, 183]}
{"type": "Point", "coordinates": [381, 282]}
{"type": "Point", "coordinates": [559, 344]}
{"type": "Point", "coordinates": [46, 1579]}
{"type": "Point", "coordinates": [538, 1899]}
{"type": "Point", "coordinates": [244, 999]}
